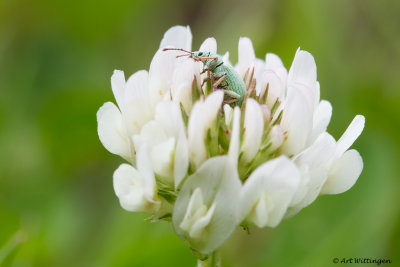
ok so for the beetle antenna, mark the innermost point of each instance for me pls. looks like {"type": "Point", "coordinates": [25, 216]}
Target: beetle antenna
{"type": "Point", "coordinates": [182, 56]}
{"type": "Point", "coordinates": [178, 49]}
{"type": "Point", "coordinates": [204, 58]}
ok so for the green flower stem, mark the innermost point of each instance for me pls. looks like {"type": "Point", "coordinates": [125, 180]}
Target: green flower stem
{"type": "Point", "coordinates": [212, 261]}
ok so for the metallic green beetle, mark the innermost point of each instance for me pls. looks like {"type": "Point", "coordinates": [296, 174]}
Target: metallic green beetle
{"type": "Point", "coordinates": [222, 75]}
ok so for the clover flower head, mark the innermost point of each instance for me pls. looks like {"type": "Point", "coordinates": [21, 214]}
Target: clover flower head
{"type": "Point", "coordinates": [210, 165]}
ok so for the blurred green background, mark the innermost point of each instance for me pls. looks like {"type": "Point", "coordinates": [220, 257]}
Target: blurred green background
{"type": "Point", "coordinates": [56, 60]}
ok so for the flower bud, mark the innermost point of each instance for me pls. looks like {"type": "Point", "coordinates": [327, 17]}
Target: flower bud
{"type": "Point", "coordinates": [275, 137]}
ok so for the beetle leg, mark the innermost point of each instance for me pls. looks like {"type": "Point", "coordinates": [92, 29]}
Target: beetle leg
{"type": "Point", "coordinates": [230, 101]}
{"type": "Point", "coordinates": [232, 94]}
{"type": "Point", "coordinates": [204, 70]}
{"type": "Point", "coordinates": [232, 97]}
{"type": "Point", "coordinates": [206, 79]}
{"type": "Point", "coordinates": [219, 81]}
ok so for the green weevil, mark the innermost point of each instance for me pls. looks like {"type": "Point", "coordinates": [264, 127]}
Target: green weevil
{"type": "Point", "coordinates": [222, 75]}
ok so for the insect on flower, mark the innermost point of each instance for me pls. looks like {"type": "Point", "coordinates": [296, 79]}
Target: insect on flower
{"type": "Point", "coordinates": [209, 168]}
{"type": "Point", "coordinates": [222, 75]}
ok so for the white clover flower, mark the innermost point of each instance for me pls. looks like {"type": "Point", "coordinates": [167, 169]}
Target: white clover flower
{"type": "Point", "coordinates": [136, 188]}
{"type": "Point", "coordinates": [210, 165]}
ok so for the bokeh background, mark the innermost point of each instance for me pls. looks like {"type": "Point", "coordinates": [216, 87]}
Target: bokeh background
{"type": "Point", "coordinates": [57, 205]}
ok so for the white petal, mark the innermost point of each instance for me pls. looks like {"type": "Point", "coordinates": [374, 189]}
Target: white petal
{"type": "Point", "coordinates": [274, 63]}
{"type": "Point", "coordinates": [313, 163]}
{"type": "Point", "coordinates": [259, 215]}
{"type": "Point", "coordinates": [302, 188]}
{"type": "Point", "coordinates": [261, 85]}
{"type": "Point", "coordinates": [178, 37]}
{"type": "Point", "coordinates": [253, 130]}
{"type": "Point", "coordinates": [316, 180]}
{"type": "Point", "coordinates": [291, 211]}
{"type": "Point", "coordinates": [317, 95]}
{"type": "Point", "coordinates": [196, 136]}
{"type": "Point", "coordinates": [266, 112]}
{"type": "Point", "coordinates": [246, 55]}
{"type": "Point", "coordinates": [137, 86]}
{"type": "Point", "coordinates": [225, 58]}
{"type": "Point", "coordinates": [181, 161]}
{"type": "Point", "coordinates": [228, 113]}
{"type": "Point", "coordinates": [210, 44]}
{"type": "Point", "coordinates": [196, 204]}
{"type": "Point", "coordinates": [275, 88]}
{"type": "Point", "coordinates": [269, 190]}
{"type": "Point", "coordinates": [160, 75]}
{"type": "Point", "coordinates": [322, 117]}
{"type": "Point", "coordinates": [136, 109]}
{"type": "Point", "coordinates": [182, 94]}
{"type": "Point", "coordinates": [235, 137]}
{"type": "Point", "coordinates": [182, 82]}
{"type": "Point", "coordinates": [201, 119]}
{"type": "Point", "coordinates": [111, 130]}
{"type": "Point", "coordinates": [124, 177]}
{"type": "Point", "coordinates": [162, 160]}
{"type": "Point", "coordinates": [197, 216]}
{"type": "Point", "coordinates": [219, 183]}
{"type": "Point", "coordinates": [169, 116]}
{"type": "Point", "coordinates": [201, 223]}
{"type": "Point", "coordinates": [308, 93]}
{"type": "Point", "coordinates": [297, 121]}
{"type": "Point", "coordinates": [344, 173]}
{"type": "Point", "coordinates": [319, 153]}
{"type": "Point", "coordinates": [129, 186]}
{"type": "Point", "coordinates": [212, 104]}
{"type": "Point", "coordinates": [258, 69]}
{"type": "Point", "coordinates": [350, 135]}
{"type": "Point", "coordinates": [152, 133]}
{"type": "Point", "coordinates": [118, 86]}
{"type": "Point", "coordinates": [145, 168]}
{"type": "Point", "coordinates": [303, 70]}
{"type": "Point", "coordinates": [303, 76]}
{"type": "Point", "coordinates": [275, 137]}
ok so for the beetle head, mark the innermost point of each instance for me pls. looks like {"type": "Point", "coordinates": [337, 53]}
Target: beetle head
{"type": "Point", "coordinates": [197, 56]}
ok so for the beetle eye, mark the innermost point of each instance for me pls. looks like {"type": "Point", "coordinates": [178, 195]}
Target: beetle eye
{"type": "Point", "coordinates": [200, 54]}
